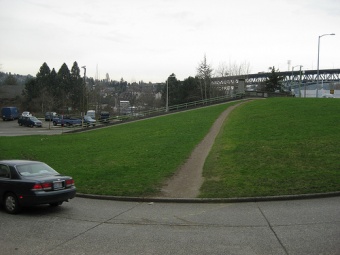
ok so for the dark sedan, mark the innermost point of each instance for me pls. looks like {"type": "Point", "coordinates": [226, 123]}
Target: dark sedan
{"type": "Point", "coordinates": [27, 183]}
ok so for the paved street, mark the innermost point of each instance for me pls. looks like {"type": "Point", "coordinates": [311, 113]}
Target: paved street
{"type": "Point", "coordinates": [89, 226]}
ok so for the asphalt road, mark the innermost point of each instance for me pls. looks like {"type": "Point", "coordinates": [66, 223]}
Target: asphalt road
{"type": "Point", "coordinates": [12, 128]}
{"type": "Point", "coordinates": [90, 226]}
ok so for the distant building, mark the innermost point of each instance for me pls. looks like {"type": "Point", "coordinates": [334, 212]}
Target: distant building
{"type": "Point", "coordinates": [124, 107]}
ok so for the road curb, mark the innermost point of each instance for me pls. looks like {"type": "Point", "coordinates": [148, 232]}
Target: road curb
{"type": "Point", "coordinates": [210, 200]}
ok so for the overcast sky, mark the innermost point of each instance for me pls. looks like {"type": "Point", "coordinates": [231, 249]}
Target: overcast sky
{"type": "Point", "coordinates": [150, 39]}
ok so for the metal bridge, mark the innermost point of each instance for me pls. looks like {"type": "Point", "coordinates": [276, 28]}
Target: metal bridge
{"type": "Point", "coordinates": [290, 78]}
{"type": "Point", "coordinates": [302, 83]}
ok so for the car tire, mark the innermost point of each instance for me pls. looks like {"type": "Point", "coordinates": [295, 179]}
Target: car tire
{"type": "Point", "coordinates": [11, 203]}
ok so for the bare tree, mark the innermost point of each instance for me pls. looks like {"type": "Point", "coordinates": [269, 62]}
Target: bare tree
{"type": "Point", "coordinates": [232, 69]}
{"type": "Point", "coordinates": [204, 73]}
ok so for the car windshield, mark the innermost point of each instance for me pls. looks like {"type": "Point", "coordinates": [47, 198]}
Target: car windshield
{"type": "Point", "coordinates": [34, 119]}
{"type": "Point", "coordinates": [36, 169]}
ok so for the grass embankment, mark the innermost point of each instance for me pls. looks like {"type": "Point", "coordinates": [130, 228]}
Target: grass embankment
{"type": "Point", "coordinates": [132, 159]}
{"type": "Point", "coordinates": [267, 147]}
{"type": "Point", "coordinates": [275, 147]}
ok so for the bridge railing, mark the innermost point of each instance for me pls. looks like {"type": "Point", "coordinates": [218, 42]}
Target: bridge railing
{"type": "Point", "coordinates": [325, 75]}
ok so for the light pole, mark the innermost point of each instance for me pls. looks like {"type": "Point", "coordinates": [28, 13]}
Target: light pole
{"type": "Point", "coordinates": [167, 96]}
{"type": "Point", "coordinates": [317, 75]}
{"type": "Point", "coordinates": [82, 121]}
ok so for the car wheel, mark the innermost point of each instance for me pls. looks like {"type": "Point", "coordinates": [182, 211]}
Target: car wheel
{"type": "Point", "coordinates": [54, 123]}
{"type": "Point", "coordinates": [11, 203]}
{"type": "Point", "coordinates": [56, 204]}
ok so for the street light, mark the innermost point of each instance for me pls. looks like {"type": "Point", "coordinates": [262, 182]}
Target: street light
{"type": "Point", "coordinates": [84, 67]}
{"type": "Point", "coordinates": [317, 75]}
{"type": "Point", "coordinates": [167, 96]}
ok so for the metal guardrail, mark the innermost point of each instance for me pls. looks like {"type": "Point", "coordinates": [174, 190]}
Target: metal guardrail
{"type": "Point", "coordinates": [161, 111]}
{"type": "Point", "coordinates": [172, 108]}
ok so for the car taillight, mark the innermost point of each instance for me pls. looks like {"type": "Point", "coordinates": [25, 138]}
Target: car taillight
{"type": "Point", "coordinates": [37, 186]}
{"type": "Point", "coordinates": [42, 186]}
{"type": "Point", "coordinates": [46, 186]}
{"type": "Point", "coordinates": [69, 183]}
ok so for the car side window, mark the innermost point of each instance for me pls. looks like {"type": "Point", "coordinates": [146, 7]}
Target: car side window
{"type": "Point", "coordinates": [4, 171]}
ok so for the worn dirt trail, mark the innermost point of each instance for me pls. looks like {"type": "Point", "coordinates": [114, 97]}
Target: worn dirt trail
{"type": "Point", "coordinates": [186, 182]}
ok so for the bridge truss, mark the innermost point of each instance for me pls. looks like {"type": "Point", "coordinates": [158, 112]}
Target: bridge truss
{"type": "Point", "coordinates": [291, 78]}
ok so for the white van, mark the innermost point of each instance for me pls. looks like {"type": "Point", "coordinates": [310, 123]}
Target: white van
{"type": "Point", "coordinates": [91, 113]}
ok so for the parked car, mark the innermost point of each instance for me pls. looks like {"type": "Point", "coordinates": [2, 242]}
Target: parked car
{"type": "Point", "coordinates": [50, 115]}
{"type": "Point", "coordinates": [104, 117]}
{"type": "Point", "coordinates": [28, 183]}
{"type": "Point", "coordinates": [30, 121]}
{"type": "Point", "coordinates": [26, 114]}
{"type": "Point", "coordinates": [9, 113]}
{"type": "Point", "coordinates": [68, 121]}
{"type": "Point", "coordinates": [88, 121]}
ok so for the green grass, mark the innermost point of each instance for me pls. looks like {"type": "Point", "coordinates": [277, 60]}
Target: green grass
{"type": "Point", "coordinates": [132, 159]}
{"type": "Point", "coordinates": [276, 146]}
{"type": "Point", "coordinates": [279, 146]}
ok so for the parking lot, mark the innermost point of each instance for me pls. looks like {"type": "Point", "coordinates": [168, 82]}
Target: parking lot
{"type": "Point", "coordinates": [12, 128]}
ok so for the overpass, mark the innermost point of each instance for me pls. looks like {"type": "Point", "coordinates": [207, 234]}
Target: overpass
{"type": "Point", "coordinates": [329, 79]}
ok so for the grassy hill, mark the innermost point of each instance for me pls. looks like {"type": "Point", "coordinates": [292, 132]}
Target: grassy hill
{"type": "Point", "coordinates": [267, 147]}
{"type": "Point", "coordinates": [274, 147]}
{"type": "Point", "coordinates": [131, 159]}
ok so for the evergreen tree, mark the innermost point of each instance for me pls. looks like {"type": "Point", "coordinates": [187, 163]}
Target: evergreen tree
{"type": "Point", "coordinates": [43, 81]}
{"type": "Point", "coordinates": [274, 81]}
{"type": "Point", "coordinates": [77, 87]}
{"type": "Point", "coordinates": [43, 75]}
{"type": "Point", "coordinates": [190, 91]}
{"type": "Point", "coordinates": [53, 88]}
{"type": "Point", "coordinates": [64, 81]}
{"type": "Point", "coordinates": [10, 80]}
{"type": "Point", "coordinates": [173, 86]}
{"type": "Point", "coordinates": [30, 93]}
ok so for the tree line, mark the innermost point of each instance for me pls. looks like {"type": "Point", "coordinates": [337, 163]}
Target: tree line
{"type": "Point", "coordinates": [67, 90]}
{"type": "Point", "coordinates": [51, 90]}
{"type": "Point", "coordinates": [200, 86]}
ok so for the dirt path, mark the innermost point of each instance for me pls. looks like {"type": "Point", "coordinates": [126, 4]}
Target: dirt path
{"type": "Point", "coordinates": [188, 179]}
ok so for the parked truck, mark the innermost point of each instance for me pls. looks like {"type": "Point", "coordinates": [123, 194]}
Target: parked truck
{"type": "Point", "coordinates": [9, 113]}
{"type": "Point", "coordinates": [64, 120]}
